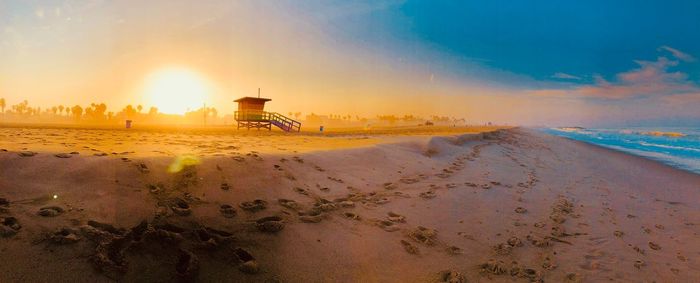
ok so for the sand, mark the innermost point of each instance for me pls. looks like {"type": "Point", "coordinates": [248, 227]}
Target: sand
{"type": "Point", "coordinates": [514, 205]}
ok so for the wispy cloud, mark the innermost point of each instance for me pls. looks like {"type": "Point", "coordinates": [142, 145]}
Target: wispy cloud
{"type": "Point", "coordinates": [680, 55]}
{"type": "Point", "coordinates": [650, 79]}
{"type": "Point", "coordinates": [565, 76]}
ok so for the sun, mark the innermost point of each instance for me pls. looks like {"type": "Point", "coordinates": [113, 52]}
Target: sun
{"type": "Point", "coordinates": [176, 90]}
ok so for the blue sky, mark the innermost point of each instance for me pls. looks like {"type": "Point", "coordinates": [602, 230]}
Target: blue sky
{"type": "Point", "coordinates": [524, 62]}
{"type": "Point", "coordinates": [543, 38]}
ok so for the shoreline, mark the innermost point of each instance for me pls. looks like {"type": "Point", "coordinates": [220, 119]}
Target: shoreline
{"type": "Point", "coordinates": [619, 151]}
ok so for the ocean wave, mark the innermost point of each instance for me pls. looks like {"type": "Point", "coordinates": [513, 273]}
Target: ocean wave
{"type": "Point", "coordinates": [669, 146]}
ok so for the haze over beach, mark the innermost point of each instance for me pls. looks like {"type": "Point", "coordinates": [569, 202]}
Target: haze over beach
{"type": "Point", "coordinates": [370, 141]}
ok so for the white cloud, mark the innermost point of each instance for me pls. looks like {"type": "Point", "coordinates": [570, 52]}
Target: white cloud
{"type": "Point", "coordinates": [678, 54]}
{"type": "Point", "coordinates": [565, 76]}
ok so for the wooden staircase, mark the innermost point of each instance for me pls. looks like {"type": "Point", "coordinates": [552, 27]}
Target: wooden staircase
{"type": "Point", "coordinates": [285, 123]}
{"type": "Point", "coordinates": [262, 119]}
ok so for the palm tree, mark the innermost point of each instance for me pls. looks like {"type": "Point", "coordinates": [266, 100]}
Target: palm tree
{"type": "Point", "coordinates": [77, 112]}
{"type": "Point", "coordinates": [139, 108]}
{"type": "Point", "coordinates": [2, 105]}
{"type": "Point", "coordinates": [60, 109]}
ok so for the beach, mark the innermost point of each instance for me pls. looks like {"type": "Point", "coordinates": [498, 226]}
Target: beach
{"type": "Point", "coordinates": [412, 205]}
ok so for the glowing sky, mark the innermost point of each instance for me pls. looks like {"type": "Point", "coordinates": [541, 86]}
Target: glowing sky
{"type": "Point", "coordinates": [523, 62]}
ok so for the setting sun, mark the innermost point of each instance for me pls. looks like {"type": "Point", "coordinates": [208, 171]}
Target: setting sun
{"type": "Point", "coordinates": [176, 90]}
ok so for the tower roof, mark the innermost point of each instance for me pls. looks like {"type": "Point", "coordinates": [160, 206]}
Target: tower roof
{"type": "Point", "coordinates": [252, 99]}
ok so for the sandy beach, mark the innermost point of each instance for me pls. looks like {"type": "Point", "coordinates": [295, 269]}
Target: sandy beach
{"type": "Point", "coordinates": [454, 205]}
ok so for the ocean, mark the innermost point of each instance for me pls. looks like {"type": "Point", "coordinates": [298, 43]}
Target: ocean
{"type": "Point", "coordinates": [677, 147]}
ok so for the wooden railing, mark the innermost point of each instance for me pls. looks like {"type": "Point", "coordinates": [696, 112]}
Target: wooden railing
{"type": "Point", "coordinates": [285, 123]}
{"type": "Point", "coordinates": [252, 116]}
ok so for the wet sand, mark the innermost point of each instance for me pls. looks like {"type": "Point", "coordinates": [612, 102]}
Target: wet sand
{"type": "Point", "coordinates": [509, 206]}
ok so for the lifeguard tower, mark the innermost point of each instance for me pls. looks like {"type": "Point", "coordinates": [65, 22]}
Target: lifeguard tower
{"type": "Point", "coordinates": [251, 114]}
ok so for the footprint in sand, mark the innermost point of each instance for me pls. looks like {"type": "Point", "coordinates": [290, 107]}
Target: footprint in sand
{"type": "Point", "coordinates": [514, 242]}
{"type": "Point", "coordinates": [395, 217]}
{"type": "Point", "coordinates": [288, 203]}
{"type": "Point", "coordinates": [454, 250]}
{"type": "Point", "coordinates": [450, 276]}
{"type": "Point", "coordinates": [63, 155]}
{"type": "Point", "coordinates": [573, 278]}
{"type": "Point", "coordinates": [387, 225]}
{"type": "Point", "coordinates": [312, 217]}
{"type": "Point", "coordinates": [301, 191]}
{"type": "Point", "coordinates": [537, 241]}
{"type": "Point", "coordinates": [4, 205]}
{"type": "Point", "coordinates": [27, 153]}
{"type": "Point", "coordinates": [410, 248]}
{"type": "Point", "coordinates": [246, 262]}
{"type": "Point", "coordinates": [347, 204]}
{"type": "Point", "coordinates": [187, 266]}
{"type": "Point", "coordinates": [548, 264]}
{"type": "Point", "coordinates": [654, 246]}
{"type": "Point", "coordinates": [270, 224]}
{"type": "Point", "coordinates": [428, 194]}
{"type": "Point", "coordinates": [639, 263]}
{"type": "Point", "coordinates": [180, 207]}
{"type": "Point", "coordinates": [50, 211]}
{"type": "Point", "coordinates": [503, 249]}
{"type": "Point", "coordinates": [389, 186]}
{"type": "Point", "coordinates": [225, 186]}
{"type": "Point", "coordinates": [520, 210]}
{"type": "Point", "coordinates": [424, 235]}
{"type": "Point", "coordinates": [351, 215]}
{"type": "Point", "coordinates": [143, 168]}
{"type": "Point", "coordinates": [227, 210]}
{"type": "Point", "coordinates": [409, 180]}
{"type": "Point", "coordinates": [9, 226]}
{"type": "Point", "coordinates": [253, 206]}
